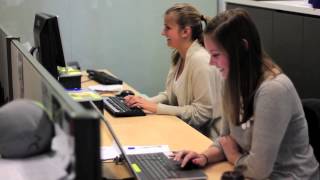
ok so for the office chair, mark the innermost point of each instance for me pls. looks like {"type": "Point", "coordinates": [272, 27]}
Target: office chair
{"type": "Point", "coordinates": [311, 109]}
{"type": "Point", "coordinates": [208, 129]}
{"type": "Point", "coordinates": [2, 99]}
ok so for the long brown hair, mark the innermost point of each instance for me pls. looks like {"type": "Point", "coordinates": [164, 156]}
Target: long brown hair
{"type": "Point", "coordinates": [187, 15]}
{"type": "Point", "coordinates": [235, 32]}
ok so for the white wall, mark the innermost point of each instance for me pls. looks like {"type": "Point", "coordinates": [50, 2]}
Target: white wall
{"type": "Point", "coordinates": [120, 35]}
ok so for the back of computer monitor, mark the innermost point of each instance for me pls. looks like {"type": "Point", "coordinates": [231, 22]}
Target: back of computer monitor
{"type": "Point", "coordinates": [4, 74]}
{"type": "Point", "coordinates": [47, 40]}
{"type": "Point", "coordinates": [81, 125]}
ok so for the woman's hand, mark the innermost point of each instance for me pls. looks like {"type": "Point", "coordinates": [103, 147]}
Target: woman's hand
{"type": "Point", "coordinates": [230, 148]}
{"type": "Point", "coordinates": [137, 101]}
{"type": "Point", "coordinates": [184, 156]}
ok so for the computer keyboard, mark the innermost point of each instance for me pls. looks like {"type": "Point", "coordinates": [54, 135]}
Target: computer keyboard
{"type": "Point", "coordinates": [103, 78]}
{"type": "Point", "coordinates": [155, 165]}
{"type": "Point", "coordinates": [117, 107]}
{"type": "Point", "coordinates": [158, 167]}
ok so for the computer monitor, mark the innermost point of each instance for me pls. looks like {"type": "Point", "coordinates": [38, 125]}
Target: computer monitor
{"type": "Point", "coordinates": [47, 41]}
{"type": "Point", "coordinates": [5, 67]}
{"type": "Point", "coordinates": [81, 125]}
{"type": "Point", "coordinates": [4, 82]}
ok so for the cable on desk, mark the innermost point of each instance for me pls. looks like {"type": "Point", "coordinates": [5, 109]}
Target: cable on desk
{"type": "Point", "coordinates": [118, 160]}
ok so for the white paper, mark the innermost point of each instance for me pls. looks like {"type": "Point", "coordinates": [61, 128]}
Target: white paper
{"type": "Point", "coordinates": [110, 152]}
{"type": "Point", "coordinates": [147, 149]}
{"type": "Point", "coordinates": [112, 88]}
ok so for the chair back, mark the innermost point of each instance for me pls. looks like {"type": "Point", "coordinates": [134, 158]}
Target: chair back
{"type": "Point", "coordinates": [311, 109]}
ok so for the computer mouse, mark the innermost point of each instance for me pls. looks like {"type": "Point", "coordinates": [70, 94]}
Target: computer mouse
{"type": "Point", "coordinates": [125, 93]}
{"type": "Point", "coordinates": [189, 166]}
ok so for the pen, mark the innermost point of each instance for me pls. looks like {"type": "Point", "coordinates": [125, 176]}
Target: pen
{"type": "Point", "coordinates": [73, 89]}
{"type": "Point", "coordinates": [143, 147]}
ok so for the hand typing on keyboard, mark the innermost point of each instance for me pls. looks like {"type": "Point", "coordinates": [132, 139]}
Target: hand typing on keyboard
{"type": "Point", "coordinates": [117, 107]}
{"type": "Point", "coordinates": [190, 159]}
{"type": "Point", "coordinates": [137, 101]}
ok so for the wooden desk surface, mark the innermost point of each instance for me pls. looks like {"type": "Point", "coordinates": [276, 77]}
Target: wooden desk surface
{"type": "Point", "coordinates": [152, 130]}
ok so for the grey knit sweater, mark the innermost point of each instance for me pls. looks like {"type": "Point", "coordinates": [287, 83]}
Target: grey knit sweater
{"type": "Point", "coordinates": [276, 145]}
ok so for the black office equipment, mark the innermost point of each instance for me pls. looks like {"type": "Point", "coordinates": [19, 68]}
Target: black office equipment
{"type": "Point", "coordinates": [6, 64]}
{"type": "Point", "coordinates": [5, 82]}
{"type": "Point", "coordinates": [82, 127]}
{"type": "Point", "coordinates": [48, 44]}
{"type": "Point", "coordinates": [190, 165]}
{"type": "Point", "coordinates": [158, 166]}
{"type": "Point", "coordinates": [125, 93]}
{"type": "Point", "coordinates": [117, 107]}
{"type": "Point", "coordinates": [103, 78]}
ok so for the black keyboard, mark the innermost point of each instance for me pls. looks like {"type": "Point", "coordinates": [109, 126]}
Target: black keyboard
{"type": "Point", "coordinates": [117, 107]}
{"type": "Point", "coordinates": [155, 165]}
{"type": "Point", "coordinates": [103, 78]}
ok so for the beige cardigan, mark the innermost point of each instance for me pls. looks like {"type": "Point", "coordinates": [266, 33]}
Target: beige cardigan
{"type": "Point", "coordinates": [200, 97]}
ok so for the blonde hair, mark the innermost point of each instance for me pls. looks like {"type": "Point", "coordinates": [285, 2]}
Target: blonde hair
{"type": "Point", "coordinates": [187, 15]}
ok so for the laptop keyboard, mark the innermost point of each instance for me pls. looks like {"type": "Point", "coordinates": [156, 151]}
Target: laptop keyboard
{"type": "Point", "coordinates": [117, 107]}
{"type": "Point", "coordinates": [155, 165]}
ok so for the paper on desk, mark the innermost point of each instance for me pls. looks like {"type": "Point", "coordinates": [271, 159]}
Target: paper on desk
{"type": "Point", "coordinates": [110, 152]}
{"type": "Point", "coordinates": [147, 149]}
{"type": "Point", "coordinates": [117, 87]}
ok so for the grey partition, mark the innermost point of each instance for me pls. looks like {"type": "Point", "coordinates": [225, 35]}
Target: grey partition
{"type": "Point", "coordinates": [34, 82]}
{"type": "Point", "coordinates": [120, 35]}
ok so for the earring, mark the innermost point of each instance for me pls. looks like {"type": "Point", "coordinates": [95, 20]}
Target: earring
{"type": "Point", "coordinates": [247, 124]}
{"type": "Point", "coordinates": [245, 44]}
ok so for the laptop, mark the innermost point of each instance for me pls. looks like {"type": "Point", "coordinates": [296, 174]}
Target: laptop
{"type": "Point", "coordinates": [152, 165]}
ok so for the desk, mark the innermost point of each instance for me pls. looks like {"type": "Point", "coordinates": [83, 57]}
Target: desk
{"type": "Point", "coordinates": [155, 129]}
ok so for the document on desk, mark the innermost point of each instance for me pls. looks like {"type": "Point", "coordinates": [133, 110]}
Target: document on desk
{"type": "Point", "coordinates": [110, 152]}
{"type": "Point", "coordinates": [147, 149]}
{"type": "Point", "coordinates": [110, 88]}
